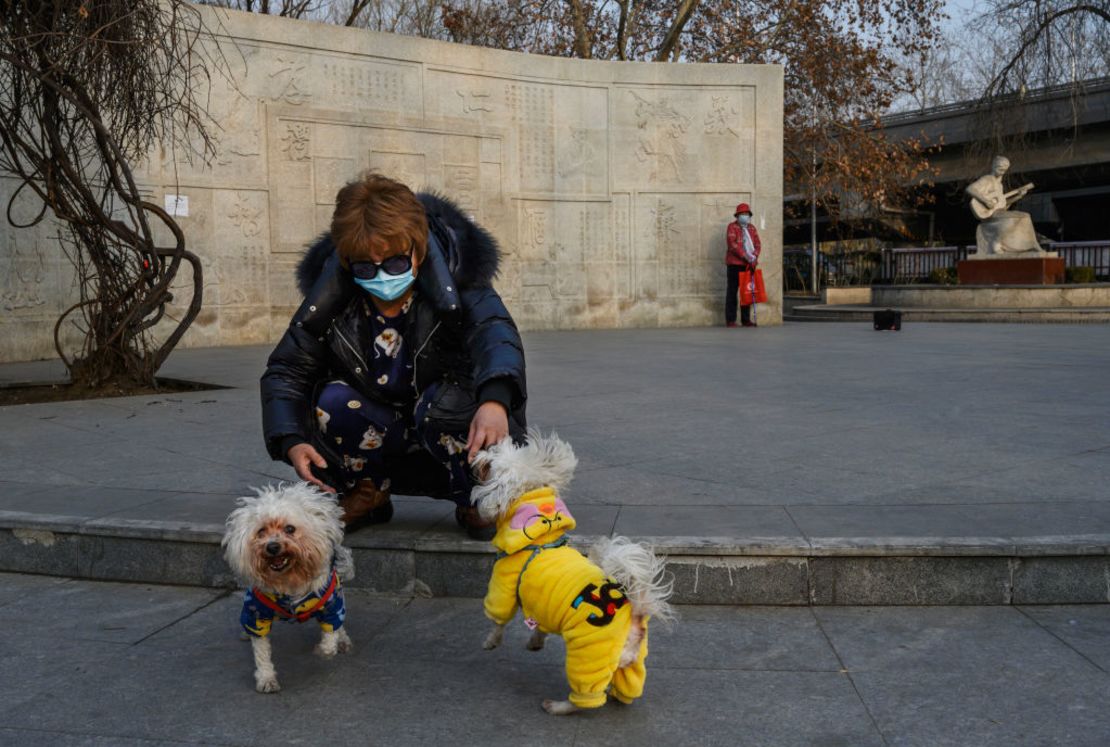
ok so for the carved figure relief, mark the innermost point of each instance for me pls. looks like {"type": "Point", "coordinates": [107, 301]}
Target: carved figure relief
{"type": "Point", "coordinates": [474, 101]}
{"type": "Point", "coordinates": [239, 140]}
{"type": "Point", "coordinates": [230, 294]}
{"type": "Point", "coordinates": [286, 80]}
{"type": "Point", "coordinates": [582, 153]}
{"type": "Point", "coordinates": [719, 121]}
{"type": "Point", "coordinates": [295, 142]}
{"type": "Point", "coordinates": [663, 143]}
{"type": "Point", "coordinates": [248, 219]}
{"type": "Point", "coordinates": [535, 226]}
{"type": "Point", "coordinates": [408, 168]}
{"type": "Point", "coordinates": [26, 275]}
{"type": "Point", "coordinates": [461, 182]}
{"type": "Point", "coordinates": [664, 223]}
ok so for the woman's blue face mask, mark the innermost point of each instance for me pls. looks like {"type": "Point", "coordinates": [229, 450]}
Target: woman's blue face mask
{"type": "Point", "coordinates": [387, 280]}
{"type": "Point", "coordinates": [387, 287]}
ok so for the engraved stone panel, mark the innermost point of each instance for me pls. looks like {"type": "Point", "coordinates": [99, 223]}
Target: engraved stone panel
{"type": "Point", "coordinates": [461, 184]}
{"type": "Point", "coordinates": [407, 168]}
{"type": "Point", "coordinates": [532, 113]}
{"type": "Point", "coordinates": [607, 186]}
{"type": "Point", "coordinates": [363, 84]}
{"type": "Point", "coordinates": [331, 174]}
{"type": "Point", "coordinates": [581, 141]}
{"type": "Point", "coordinates": [684, 138]}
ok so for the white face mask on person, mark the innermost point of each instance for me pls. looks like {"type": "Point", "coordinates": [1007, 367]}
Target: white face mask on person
{"type": "Point", "coordinates": [744, 219]}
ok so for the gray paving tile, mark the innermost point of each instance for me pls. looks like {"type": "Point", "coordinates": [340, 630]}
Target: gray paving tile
{"type": "Point", "coordinates": [741, 638]}
{"type": "Point", "coordinates": [598, 520]}
{"type": "Point", "coordinates": [686, 521]}
{"type": "Point", "coordinates": [1086, 628]}
{"type": "Point", "coordinates": [193, 508]}
{"type": "Point", "coordinates": [944, 640]}
{"type": "Point", "coordinates": [954, 520]}
{"type": "Point", "coordinates": [82, 500]}
{"type": "Point", "coordinates": [54, 738]}
{"type": "Point", "coordinates": [98, 611]}
{"type": "Point", "coordinates": [1034, 707]}
{"type": "Point", "coordinates": [733, 708]}
{"type": "Point", "coordinates": [631, 485]}
{"type": "Point", "coordinates": [19, 588]}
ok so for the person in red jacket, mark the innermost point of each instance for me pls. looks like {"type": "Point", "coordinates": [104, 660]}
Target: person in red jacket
{"type": "Point", "coordinates": [742, 256]}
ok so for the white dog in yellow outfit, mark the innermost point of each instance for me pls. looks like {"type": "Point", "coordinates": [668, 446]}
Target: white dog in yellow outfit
{"type": "Point", "coordinates": [600, 605]}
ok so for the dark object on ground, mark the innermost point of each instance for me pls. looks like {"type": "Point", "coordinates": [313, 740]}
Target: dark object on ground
{"type": "Point", "coordinates": [64, 391]}
{"type": "Point", "coordinates": [888, 319]}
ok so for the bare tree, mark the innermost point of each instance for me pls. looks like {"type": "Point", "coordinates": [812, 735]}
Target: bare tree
{"type": "Point", "coordinates": [86, 90]}
{"type": "Point", "coordinates": [841, 60]}
{"type": "Point", "coordinates": [285, 8]}
{"type": "Point", "coordinates": [1052, 42]}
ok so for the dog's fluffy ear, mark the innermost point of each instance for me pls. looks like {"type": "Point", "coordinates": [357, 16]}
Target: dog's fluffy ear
{"type": "Point", "coordinates": [544, 461]}
{"type": "Point", "coordinates": [325, 514]}
{"type": "Point", "coordinates": [238, 529]}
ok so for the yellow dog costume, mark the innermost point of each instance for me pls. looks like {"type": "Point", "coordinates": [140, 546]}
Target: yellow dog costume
{"type": "Point", "coordinates": [562, 592]}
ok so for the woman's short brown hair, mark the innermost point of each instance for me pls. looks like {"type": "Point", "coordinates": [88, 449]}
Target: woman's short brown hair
{"type": "Point", "coordinates": [376, 213]}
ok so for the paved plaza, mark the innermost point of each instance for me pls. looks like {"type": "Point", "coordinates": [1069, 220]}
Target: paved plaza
{"type": "Point", "coordinates": [954, 440]}
{"type": "Point", "coordinates": [126, 664]}
{"type": "Point", "coordinates": [802, 434]}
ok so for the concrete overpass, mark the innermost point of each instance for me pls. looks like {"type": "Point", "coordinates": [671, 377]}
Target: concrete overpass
{"type": "Point", "coordinates": [1056, 139]}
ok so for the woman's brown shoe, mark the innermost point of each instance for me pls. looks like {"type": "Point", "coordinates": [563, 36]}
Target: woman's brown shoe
{"type": "Point", "coordinates": [364, 505]}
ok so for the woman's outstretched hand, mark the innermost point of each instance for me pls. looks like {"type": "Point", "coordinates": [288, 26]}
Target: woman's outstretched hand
{"type": "Point", "coordinates": [302, 457]}
{"type": "Point", "coordinates": [490, 425]}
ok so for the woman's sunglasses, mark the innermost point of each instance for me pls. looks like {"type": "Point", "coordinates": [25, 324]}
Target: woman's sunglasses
{"type": "Point", "coordinates": [394, 265]}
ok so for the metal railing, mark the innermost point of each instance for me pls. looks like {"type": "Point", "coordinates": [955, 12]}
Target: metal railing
{"type": "Point", "coordinates": [911, 265]}
{"type": "Point", "coordinates": [1093, 254]}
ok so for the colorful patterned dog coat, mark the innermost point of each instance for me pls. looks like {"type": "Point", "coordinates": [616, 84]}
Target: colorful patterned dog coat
{"type": "Point", "coordinates": [324, 605]}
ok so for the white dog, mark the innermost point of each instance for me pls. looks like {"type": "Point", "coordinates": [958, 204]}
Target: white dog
{"type": "Point", "coordinates": [600, 605]}
{"type": "Point", "coordinates": [285, 545]}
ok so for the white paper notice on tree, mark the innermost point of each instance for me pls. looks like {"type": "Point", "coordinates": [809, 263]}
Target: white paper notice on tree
{"type": "Point", "coordinates": [177, 206]}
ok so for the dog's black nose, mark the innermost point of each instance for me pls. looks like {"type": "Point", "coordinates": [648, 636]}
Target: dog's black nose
{"type": "Point", "coordinates": [273, 548]}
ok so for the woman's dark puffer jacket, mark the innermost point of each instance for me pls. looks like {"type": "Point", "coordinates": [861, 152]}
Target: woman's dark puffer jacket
{"type": "Point", "coordinates": [460, 333]}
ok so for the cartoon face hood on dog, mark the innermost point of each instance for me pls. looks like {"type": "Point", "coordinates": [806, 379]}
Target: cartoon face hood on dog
{"type": "Point", "coordinates": [538, 517]}
{"type": "Point", "coordinates": [521, 490]}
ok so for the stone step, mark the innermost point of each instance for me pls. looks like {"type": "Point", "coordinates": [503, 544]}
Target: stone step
{"type": "Point", "coordinates": [707, 570]}
{"type": "Point", "coordinates": [844, 313]}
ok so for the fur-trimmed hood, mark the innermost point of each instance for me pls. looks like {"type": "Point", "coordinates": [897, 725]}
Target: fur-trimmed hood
{"type": "Point", "coordinates": [471, 252]}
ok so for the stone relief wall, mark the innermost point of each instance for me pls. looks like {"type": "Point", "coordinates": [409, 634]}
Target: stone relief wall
{"type": "Point", "coordinates": [608, 185]}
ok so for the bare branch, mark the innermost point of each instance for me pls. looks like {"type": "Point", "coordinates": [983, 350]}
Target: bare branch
{"type": "Point", "coordinates": [670, 41]}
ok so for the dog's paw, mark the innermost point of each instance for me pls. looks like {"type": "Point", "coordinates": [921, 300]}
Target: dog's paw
{"type": "Point", "coordinates": [326, 650]}
{"type": "Point", "coordinates": [493, 640]}
{"type": "Point", "coordinates": [266, 684]}
{"type": "Point", "coordinates": [345, 646]}
{"type": "Point", "coordinates": [536, 641]}
{"type": "Point", "coordinates": [559, 707]}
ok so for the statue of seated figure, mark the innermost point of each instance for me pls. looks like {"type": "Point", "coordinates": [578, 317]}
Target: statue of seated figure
{"type": "Point", "coordinates": [1001, 231]}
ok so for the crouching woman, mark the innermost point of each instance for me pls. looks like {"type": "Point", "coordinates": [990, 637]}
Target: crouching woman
{"type": "Point", "coordinates": [402, 361]}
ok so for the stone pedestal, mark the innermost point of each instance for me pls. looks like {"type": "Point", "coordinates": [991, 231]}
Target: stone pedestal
{"type": "Point", "coordinates": [1024, 271]}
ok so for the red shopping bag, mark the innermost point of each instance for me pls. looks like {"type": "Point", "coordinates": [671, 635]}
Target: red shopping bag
{"type": "Point", "coordinates": [752, 287]}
